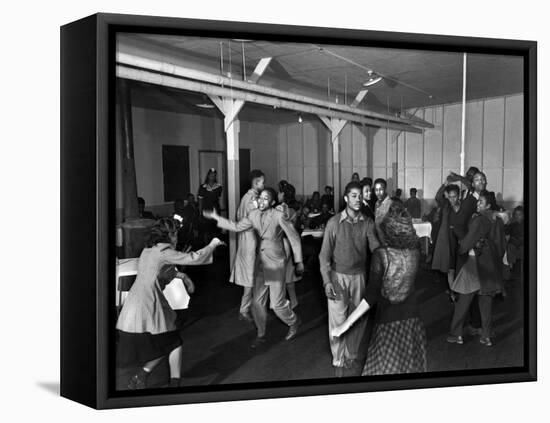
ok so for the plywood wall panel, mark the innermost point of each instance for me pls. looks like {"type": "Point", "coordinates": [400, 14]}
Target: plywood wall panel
{"type": "Point", "coordinates": [379, 148]}
{"type": "Point", "coordinates": [513, 133]}
{"type": "Point", "coordinates": [311, 144]}
{"type": "Point", "coordinates": [474, 134]}
{"type": "Point", "coordinates": [452, 133]}
{"type": "Point", "coordinates": [346, 146]}
{"type": "Point", "coordinates": [513, 186]}
{"type": "Point", "coordinates": [493, 132]}
{"type": "Point", "coordinates": [295, 145]}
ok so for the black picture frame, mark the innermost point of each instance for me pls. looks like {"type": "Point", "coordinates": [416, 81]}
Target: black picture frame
{"type": "Point", "coordinates": [87, 208]}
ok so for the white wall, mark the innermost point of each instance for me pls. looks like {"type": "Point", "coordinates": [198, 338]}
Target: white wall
{"type": "Point", "coordinates": [494, 143]}
{"type": "Point", "coordinates": [154, 128]}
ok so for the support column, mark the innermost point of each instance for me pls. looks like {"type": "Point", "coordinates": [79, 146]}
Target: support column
{"type": "Point", "coordinates": [335, 126]}
{"type": "Point", "coordinates": [129, 184]}
{"type": "Point", "coordinates": [336, 172]}
{"type": "Point", "coordinates": [233, 178]}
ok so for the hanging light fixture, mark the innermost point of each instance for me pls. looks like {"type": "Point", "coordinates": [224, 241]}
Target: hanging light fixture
{"type": "Point", "coordinates": [373, 79]}
{"type": "Point", "coordinates": [300, 120]}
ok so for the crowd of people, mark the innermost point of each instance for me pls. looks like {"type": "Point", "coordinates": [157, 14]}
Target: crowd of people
{"type": "Point", "coordinates": [368, 259]}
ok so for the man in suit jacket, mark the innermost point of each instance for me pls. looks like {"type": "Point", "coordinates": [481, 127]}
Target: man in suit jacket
{"type": "Point", "coordinates": [271, 226]}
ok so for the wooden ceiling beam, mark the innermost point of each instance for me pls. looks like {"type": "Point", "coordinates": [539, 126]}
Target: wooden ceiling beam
{"type": "Point", "coordinates": [214, 90]}
{"type": "Point", "coordinates": [182, 72]}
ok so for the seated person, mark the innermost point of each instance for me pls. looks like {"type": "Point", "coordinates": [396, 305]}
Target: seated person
{"type": "Point", "coordinates": [321, 220]}
{"type": "Point", "coordinates": [314, 203]}
{"type": "Point", "coordinates": [328, 198]}
{"type": "Point", "coordinates": [144, 214]}
{"type": "Point", "coordinates": [303, 221]}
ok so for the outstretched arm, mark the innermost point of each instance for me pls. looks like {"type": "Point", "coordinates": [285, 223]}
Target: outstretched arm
{"type": "Point", "coordinates": [202, 256]}
{"type": "Point", "coordinates": [240, 226]}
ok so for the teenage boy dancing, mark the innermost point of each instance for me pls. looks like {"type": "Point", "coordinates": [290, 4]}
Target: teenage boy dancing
{"type": "Point", "coordinates": [270, 225]}
{"type": "Point", "coordinates": [343, 260]}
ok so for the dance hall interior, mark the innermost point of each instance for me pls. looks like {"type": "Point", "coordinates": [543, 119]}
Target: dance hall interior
{"type": "Point", "coordinates": [293, 210]}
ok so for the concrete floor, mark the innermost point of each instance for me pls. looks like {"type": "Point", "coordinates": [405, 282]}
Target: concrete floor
{"type": "Point", "coordinates": [217, 344]}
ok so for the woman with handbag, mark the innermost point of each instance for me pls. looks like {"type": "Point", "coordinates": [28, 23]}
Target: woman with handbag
{"type": "Point", "coordinates": [146, 324]}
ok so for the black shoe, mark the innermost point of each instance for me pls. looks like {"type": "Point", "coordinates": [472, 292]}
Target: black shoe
{"type": "Point", "coordinates": [258, 342]}
{"type": "Point", "coordinates": [293, 330]}
{"type": "Point", "coordinates": [246, 317]}
{"type": "Point", "coordinates": [174, 382]}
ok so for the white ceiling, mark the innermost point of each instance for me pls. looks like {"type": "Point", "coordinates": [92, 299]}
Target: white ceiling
{"type": "Point", "coordinates": [413, 78]}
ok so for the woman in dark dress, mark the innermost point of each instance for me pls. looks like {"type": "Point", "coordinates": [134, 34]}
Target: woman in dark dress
{"type": "Point", "coordinates": [454, 225]}
{"type": "Point", "coordinates": [398, 344]}
{"type": "Point", "coordinates": [209, 199]}
{"type": "Point", "coordinates": [481, 252]}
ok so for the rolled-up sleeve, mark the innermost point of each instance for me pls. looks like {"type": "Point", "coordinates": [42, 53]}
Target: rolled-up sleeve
{"type": "Point", "coordinates": [327, 249]}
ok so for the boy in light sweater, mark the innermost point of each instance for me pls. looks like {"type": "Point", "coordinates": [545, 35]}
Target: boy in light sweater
{"type": "Point", "coordinates": [343, 261]}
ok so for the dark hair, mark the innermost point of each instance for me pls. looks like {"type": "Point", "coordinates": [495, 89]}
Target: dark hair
{"type": "Point", "coordinates": [210, 172]}
{"type": "Point", "coordinates": [289, 194]}
{"type": "Point", "coordinates": [479, 172]}
{"type": "Point", "coordinates": [451, 188]}
{"type": "Point", "coordinates": [350, 186]}
{"type": "Point", "coordinates": [398, 191]}
{"type": "Point", "coordinates": [473, 170]}
{"type": "Point", "coordinates": [398, 228]}
{"type": "Point", "coordinates": [329, 187]}
{"type": "Point", "coordinates": [355, 173]}
{"type": "Point", "coordinates": [161, 231]}
{"type": "Point", "coordinates": [519, 209]}
{"type": "Point", "coordinates": [413, 190]}
{"type": "Point", "coordinates": [272, 193]}
{"type": "Point", "coordinates": [255, 173]}
{"type": "Point", "coordinates": [381, 181]}
{"type": "Point", "coordinates": [366, 182]}
{"type": "Point", "coordinates": [316, 192]}
{"type": "Point", "coordinates": [141, 200]}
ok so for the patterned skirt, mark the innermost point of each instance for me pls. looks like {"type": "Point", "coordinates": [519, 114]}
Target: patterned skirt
{"type": "Point", "coordinates": [397, 347]}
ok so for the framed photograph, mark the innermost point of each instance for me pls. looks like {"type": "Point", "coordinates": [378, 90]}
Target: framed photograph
{"type": "Point", "coordinates": [258, 211]}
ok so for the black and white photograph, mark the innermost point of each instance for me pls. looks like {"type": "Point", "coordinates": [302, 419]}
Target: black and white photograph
{"type": "Point", "coordinates": [268, 212]}
{"type": "Point", "coordinates": [290, 211]}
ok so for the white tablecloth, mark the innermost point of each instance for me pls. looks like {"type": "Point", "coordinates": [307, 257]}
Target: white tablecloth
{"type": "Point", "coordinates": [423, 229]}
